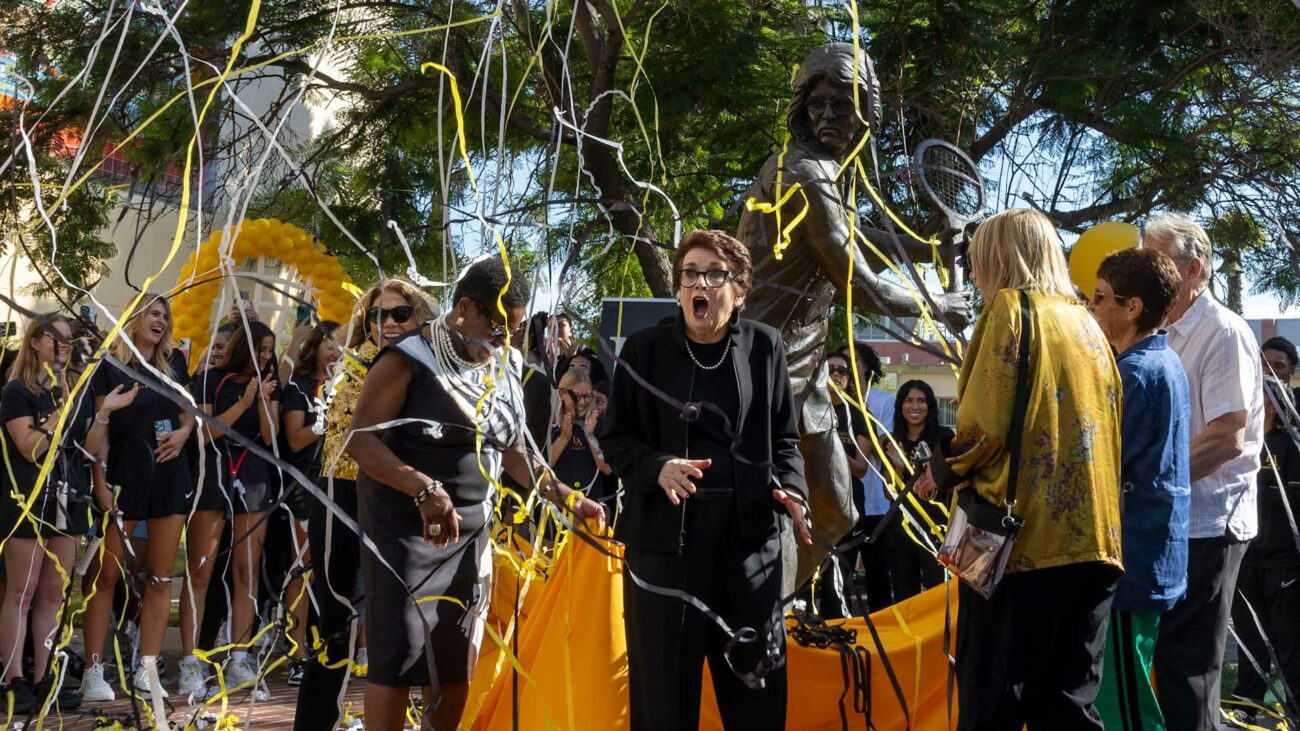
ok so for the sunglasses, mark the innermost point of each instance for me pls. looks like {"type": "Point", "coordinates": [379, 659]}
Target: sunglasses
{"type": "Point", "coordinates": [579, 396]}
{"type": "Point", "coordinates": [841, 105]}
{"type": "Point", "coordinates": [398, 314]}
{"type": "Point", "coordinates": [839, 371]}
{"type": "Point", "coordinates": [1099, 297]}
{"type": "Point", "coordinates": [500, 331]}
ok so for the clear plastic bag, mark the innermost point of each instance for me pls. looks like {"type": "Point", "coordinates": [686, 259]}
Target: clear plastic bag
{"type": "Point", "coordinates": [978, 543]}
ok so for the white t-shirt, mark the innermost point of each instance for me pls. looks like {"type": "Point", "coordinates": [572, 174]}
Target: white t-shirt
{"type": "Point", "coordinates": [1222, 360]}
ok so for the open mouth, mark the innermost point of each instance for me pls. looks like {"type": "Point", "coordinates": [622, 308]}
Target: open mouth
{"type": "Point", "coordinates": [700, 306]}
{"type": "Point", "coordinates": [157, 330]}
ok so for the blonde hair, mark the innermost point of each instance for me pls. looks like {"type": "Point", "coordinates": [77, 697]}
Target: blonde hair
{"type": "Point", "coordinates": [27, 366]}
{"type": "Point", "coordinates": [359, 331]}
{"type": "Point", "coordinates": [133, 321]}
{"type": "Point", "coordinates": [1186, 238]}
{"type": "Point", "coordinates": [572, 377]}
{"type": "Point", "coordinates": [1019, 249]}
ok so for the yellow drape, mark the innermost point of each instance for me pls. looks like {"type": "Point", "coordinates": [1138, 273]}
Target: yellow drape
{"type": "Point", "coordinates": [574, 657]}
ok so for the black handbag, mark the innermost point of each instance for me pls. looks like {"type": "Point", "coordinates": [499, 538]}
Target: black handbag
{"type": "Point", "coordinates": [980, 533]}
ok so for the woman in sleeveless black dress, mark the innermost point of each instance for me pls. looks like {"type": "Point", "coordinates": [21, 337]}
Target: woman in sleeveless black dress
{"type": "Point", "coordinates": [425, 493]}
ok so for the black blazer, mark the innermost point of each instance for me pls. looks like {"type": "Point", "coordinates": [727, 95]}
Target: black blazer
{"type": "Point", "coordinates": [643, 431]}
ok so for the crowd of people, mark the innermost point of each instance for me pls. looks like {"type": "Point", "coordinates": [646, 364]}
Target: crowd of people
{"type": "Point", "coordinates": [301, 501]}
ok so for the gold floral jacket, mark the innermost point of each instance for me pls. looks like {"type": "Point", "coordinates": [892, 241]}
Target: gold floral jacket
{"type": "Point", "coordinates": [350, 374]}
{"type": "Point", "coordinates": [1068, 492]}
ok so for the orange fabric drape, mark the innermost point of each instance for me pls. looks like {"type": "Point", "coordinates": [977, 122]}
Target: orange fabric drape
{"type": "Point", "coordinates": [574, 658]}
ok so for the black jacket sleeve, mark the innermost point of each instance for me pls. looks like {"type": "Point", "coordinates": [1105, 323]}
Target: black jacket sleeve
{"type": "Point", "coordinates": [785, 427]}
{"type": "Point", "coordinates": [624, 441]}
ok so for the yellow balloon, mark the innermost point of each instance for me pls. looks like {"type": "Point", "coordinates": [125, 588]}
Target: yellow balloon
{"type": "Point", "coordinates": [1093, 246]}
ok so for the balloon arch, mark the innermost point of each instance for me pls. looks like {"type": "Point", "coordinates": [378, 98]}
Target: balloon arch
{"type": "Point", "coordinates": [200, 278]}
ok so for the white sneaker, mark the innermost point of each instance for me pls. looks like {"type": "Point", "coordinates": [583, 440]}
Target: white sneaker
{"type": "Point", "coordinates": [241, 671]}
{"type": "Point", "coordinates": [94, 687]}
{"type": "Point", "coordinates": [141, 683]}
{"type": "Point", "coordinates": [192, 683]}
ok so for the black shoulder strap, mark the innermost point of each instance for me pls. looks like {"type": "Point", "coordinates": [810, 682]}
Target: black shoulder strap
{"type": "Point", "coordinates": [1016, 435]}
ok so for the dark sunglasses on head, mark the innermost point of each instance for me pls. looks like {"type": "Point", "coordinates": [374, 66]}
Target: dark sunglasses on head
{"type": "Point", "coordinates": [398, 314]}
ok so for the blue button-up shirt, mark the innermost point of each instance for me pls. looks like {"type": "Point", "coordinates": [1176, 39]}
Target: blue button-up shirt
{"type": "Point", "coordinates": [1155, 476]}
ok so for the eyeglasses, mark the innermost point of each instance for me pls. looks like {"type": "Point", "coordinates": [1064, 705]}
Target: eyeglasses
{"type": "Point", "coordinates": [841, 105]}
{"type": "Point", "coordinates": [1099, 297]}
{"type": "Point", "coordinates": [500, 330]}
{"type": "Point", "coordinates": [399, 314]}
{"type": "Point", "coordinates": [579, 396]}
{"type": "Point", "coordinates": [712, 278]}
{"type": "Point", "coordinates": [839, 370]}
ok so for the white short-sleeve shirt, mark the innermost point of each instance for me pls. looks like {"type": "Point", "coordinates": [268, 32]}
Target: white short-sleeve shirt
{"type": "Point", "coordinates": [1222, 360]}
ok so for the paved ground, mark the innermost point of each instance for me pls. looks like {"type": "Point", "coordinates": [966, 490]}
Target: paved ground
{"type": "Point", "coordinates": [275, 714]}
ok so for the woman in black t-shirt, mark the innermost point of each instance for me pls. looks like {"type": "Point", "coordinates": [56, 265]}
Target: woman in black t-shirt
{"type": "Point", "coordinates": [245, 400]}
{"type": "Point", "coordinates": [575, 462]}
{"type": "Point", "coordinates": [916, 419]}
{"type": "Point", "coordinates": [302, 404]}
{"type": "Point", "coordinates": [147, 479]}
{"type": "Point", "coordinates": [29, 410]}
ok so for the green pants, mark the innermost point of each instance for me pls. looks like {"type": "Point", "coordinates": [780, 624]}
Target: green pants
{"type": "Point", "coordinates": [1126, 700]}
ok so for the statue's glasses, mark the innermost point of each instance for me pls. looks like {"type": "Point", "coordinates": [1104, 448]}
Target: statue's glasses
{"type": "Point", "coordinates": [712, 278]}
{"type": "Point", "coordinates": [841, 105]}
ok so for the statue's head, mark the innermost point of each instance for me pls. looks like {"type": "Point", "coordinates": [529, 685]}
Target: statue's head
{"type": "Point", "coordinates": [822, 105]}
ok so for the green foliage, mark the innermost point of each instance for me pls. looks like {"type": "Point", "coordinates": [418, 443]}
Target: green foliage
{"type": "Point", "coordinates": [1096, 110]}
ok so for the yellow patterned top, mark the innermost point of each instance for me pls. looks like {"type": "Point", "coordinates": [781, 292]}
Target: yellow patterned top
{"type": "Point", "coordinates": [338, 417]}
{"type": "Point", "coordinates": [1068, 491]}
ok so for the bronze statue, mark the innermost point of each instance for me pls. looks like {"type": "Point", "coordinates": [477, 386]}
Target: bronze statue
{"type": "Point", "coordinates": [794, 293]}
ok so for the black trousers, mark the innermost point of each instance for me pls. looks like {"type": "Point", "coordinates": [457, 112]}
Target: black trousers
{"type": "Point", "coordinates": [338, 571]}
{"type": "Point", "coordinates": [911, 569]}
{"type": "Point", "coordinates": [834, 592]}
{"type": "Point", "coordinates": [668, 641]}
{"type": "Point", "coordinates": [1031, 654]}
{"type": "Point", "coordinates": [1274, 594]}
{"type": "Point", "coordinates": [1189, 649]}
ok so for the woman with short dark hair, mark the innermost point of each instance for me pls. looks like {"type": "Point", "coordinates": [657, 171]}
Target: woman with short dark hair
{"type": "Point", "coordinates": [425, 493]}
{"type": "Point", "coordinates": [705, 487]}
{"type": "Point", "coordinates": [1135, 290]}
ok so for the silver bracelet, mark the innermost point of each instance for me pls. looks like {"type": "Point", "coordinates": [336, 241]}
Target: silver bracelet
{"type": "Point", "coordinates": [426, 493]}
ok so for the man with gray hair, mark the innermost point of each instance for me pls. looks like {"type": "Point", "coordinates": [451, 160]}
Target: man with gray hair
{"type": "Point", "coordinates": [1219, 353]}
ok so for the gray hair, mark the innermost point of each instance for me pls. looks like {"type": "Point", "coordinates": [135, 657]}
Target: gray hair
{"type": "Point", "coordinates": [1186, 238]}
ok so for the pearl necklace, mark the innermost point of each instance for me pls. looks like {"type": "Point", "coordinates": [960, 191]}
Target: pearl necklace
{"type": "Point", "coordinates": [449, 360]}
{"type": "Point", "coordinates": [725, 349]}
